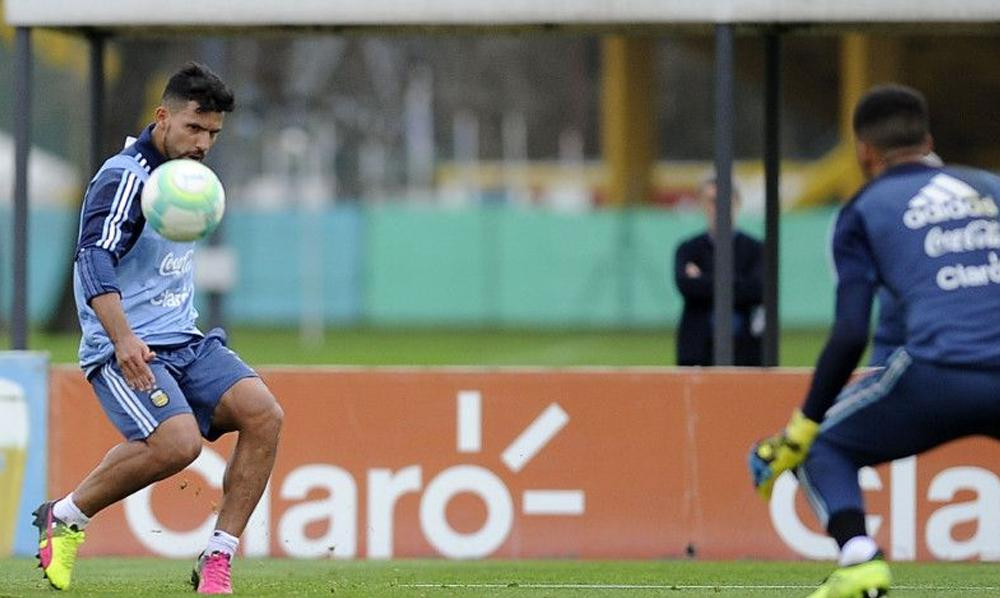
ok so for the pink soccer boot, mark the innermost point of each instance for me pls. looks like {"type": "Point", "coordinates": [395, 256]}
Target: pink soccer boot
{"type": "Point", "coordinates": [211, 574]}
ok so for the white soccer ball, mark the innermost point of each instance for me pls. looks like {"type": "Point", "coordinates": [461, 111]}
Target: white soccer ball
{"type": "Point", "coordinates": [183, 200]}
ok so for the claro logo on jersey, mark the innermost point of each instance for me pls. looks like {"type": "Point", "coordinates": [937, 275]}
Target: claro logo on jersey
{"type": "Point", "coordinates": [171, 298]}
{"type": "Point", "coordinates": [338, 508]}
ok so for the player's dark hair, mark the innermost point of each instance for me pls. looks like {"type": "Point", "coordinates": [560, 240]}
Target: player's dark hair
{"type": "Point", "coordinates": [196, 82]}
{"type": "Point", "coordinates": [891, 117]}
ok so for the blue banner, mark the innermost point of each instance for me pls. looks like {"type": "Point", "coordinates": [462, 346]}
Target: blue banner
{"type": "Point", "coordinates": [24, 407]}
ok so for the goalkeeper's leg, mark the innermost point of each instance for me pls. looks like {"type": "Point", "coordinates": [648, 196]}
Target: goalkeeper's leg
{"type": "Point", "coordinates": [921, 407]}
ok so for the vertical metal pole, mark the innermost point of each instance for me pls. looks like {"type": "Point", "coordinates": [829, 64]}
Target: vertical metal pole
{"type": "Point", "coordinates": [772, 201]}
{"type": "Point", "coordinates": [97, 98]}
{"type": "Point", "coordinates": [213, 53]}
{"type": "Point", "coordinates": [22, 145]}
{"type": "Point", "coordinates": [723, 279]}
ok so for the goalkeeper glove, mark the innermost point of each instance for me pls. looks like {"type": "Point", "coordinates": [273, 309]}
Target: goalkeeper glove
{"type": "Point", "coordinates": [772, 456]}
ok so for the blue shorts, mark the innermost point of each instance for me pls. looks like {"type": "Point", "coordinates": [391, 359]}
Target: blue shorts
{"type": "Point", "coordinates": [904, 409]}
{"type": "Point", "coordinates": [190, 378]}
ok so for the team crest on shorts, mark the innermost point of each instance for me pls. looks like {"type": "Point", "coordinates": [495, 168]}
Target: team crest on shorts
{"type": "Point", "coordinates": [159, 398]}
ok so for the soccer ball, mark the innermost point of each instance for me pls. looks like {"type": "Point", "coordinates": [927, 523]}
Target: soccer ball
{"type": "Point", "coordinates": [183, 200]}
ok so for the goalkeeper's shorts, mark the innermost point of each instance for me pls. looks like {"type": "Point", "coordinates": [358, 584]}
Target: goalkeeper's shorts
{"type": "Point", "coordinates": [905, 409]}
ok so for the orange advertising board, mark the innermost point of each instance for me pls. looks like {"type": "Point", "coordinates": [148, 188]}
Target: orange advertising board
{"type": "Point", "coordinates": [463, 463]}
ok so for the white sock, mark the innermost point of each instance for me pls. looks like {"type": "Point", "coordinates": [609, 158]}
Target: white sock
{"type": "Point", "coordinates": [222, 542]}
{"type": "Point", "coordinates": [66, 511]}
{"type": "Point", "coordinates": [857, 550]}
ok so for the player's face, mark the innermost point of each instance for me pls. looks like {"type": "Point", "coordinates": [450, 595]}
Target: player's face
{"type": "Point", "coordinates": [187, 133]}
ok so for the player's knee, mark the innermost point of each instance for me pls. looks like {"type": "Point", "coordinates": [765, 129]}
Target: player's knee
{"type": "Point", "coordinates": [261, 416]}
{"type": "Point", "coordinates": [181, 453]}
{"type": "Point", "coordinates": [272, 416]}
{"type": "Point", "coordinates": [190, 449]}
{"type": "Point", "coordinates": [177, 447]}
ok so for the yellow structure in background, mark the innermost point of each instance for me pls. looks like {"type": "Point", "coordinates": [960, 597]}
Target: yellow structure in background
{"type": "Point", "coordinates": [628, 123]}
{"type": "Point", "coordinates": [629, 171]}
{"type": "Point", "coordinates": [864, 61]}
{"type": "Point", "coordinates": [628, 120]}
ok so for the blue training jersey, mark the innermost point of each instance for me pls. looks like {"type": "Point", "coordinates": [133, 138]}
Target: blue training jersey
{"type": "Point", "coordinates": [116, 252]}
{"type": "Point", "coordinates": [890, 331]}
{"type": "Point", "coordinates": [931, 237]}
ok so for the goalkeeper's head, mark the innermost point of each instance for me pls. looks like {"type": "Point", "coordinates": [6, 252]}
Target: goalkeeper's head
{"type": "Point", "coordinates": [891, 126]}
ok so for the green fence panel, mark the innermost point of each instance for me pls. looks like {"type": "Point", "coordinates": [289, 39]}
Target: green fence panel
{"type": "Point", "coordinates": [490, 265]}
{"type": "Point", "coordinates": [424, 265]}
{"type": "Point", "coordinates": [51, 240]}
{"type": "Point", "coordinates": [506, 266]}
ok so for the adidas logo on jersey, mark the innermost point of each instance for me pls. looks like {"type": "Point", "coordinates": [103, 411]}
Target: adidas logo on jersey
{"type": "Point", "coordinates": [947, 198]}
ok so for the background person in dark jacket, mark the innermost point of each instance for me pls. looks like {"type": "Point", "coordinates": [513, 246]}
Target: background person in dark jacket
{"type": "Point", "coordinates": [694, 264]}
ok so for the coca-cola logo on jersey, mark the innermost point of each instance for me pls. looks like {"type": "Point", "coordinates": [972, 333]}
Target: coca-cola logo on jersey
{"type": "Point", "coordinates": [177, 265]}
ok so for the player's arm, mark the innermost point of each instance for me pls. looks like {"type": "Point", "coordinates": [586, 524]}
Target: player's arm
{"type": "Point", "coordinates": [132, 353]}
{"type": "Point", "coordinates": [856, 286]}
{"type": "Point", "coordinates": [110, 225]}
{"type": "Point", "coordinates": [843, 348]}
{"type": "Point", "coordinates": [692, 287]}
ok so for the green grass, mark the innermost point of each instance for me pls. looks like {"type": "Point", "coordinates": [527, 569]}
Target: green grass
{"type": "Point", "coordinates": [148, 577]}
{"type": "Point", "coordinates": [377, 346]}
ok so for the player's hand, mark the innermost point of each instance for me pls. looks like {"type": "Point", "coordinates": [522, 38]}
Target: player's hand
{"type": "Point", "coordinates": [772, 456]}
{"type": "Point", "coordinates": [133, 357]}
{"type": "Point", "coordinates": [692, 270]}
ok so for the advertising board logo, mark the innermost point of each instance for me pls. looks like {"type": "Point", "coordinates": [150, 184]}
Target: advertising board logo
{"type": "Point", "coordinates": [944, 531]}
{"type": "Point", "coordinates": [339, 508]}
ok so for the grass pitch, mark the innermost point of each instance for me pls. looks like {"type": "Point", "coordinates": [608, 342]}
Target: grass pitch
{"type": "Point", "coordinates": [467, 347]}
{"type": "Point", "coordinates": [513, 579]}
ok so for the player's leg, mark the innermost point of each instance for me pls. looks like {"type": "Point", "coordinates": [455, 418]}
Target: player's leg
{"type": "Point", "coordinates": [131, 466]}
{"type": "Point", "coordinates": [250, 409]}
{"type": "Point", "coordinates": [162, 438]}
{"type": "Point", "coordinates": [907, 409]}
{"type": "Point", "coordinates": [228, 396]}
{"type": "Point", "coordinates": [829, 476]}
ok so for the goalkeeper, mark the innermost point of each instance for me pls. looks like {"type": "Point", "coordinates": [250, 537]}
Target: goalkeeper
{"type": "Point", "coordinates": [929, 234]}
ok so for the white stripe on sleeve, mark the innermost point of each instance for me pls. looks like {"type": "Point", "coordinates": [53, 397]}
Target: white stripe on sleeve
{"type": "Point", "coordinates": [119, 208]}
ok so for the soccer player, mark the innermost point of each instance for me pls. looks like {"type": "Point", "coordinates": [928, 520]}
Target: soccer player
{"type": "Point", "coordinates": [161, 382]}
{"type": "Point", "coordinates": [929, 235]}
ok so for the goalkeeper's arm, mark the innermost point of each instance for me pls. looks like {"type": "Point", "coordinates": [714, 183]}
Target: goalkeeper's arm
{"type": "Point", "coordinates": [777, 454]}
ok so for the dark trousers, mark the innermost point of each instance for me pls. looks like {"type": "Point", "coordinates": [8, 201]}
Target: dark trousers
{"type": "Point", "coordinates": [906, 409]}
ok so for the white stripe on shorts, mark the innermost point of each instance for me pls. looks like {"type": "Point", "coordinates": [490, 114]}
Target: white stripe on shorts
{"type": "Point", "coordinates": [127, 399]}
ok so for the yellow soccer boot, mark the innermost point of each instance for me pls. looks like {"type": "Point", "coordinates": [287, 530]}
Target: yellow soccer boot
{"type": "Point", "coordinates": [57, 546]}
{"type": "Point", "coordinates": [863, 580]}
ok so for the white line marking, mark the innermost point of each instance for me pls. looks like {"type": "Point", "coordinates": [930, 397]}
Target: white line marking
{"type": "Point", "coordinates": [553, 502]}
{"type": "Point", "coordinates": [470, 426]}
{"type": "Point", "coordinates": [534, 437]}
{"type": "Point", "coordinates": [623, 586]}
